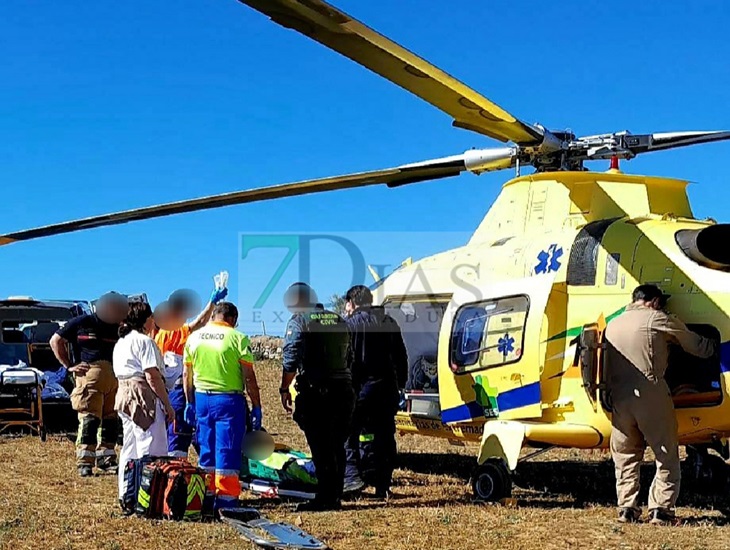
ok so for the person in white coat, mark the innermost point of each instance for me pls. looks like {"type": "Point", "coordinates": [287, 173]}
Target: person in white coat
{"type": "Point", "coordinates": [142, 401]}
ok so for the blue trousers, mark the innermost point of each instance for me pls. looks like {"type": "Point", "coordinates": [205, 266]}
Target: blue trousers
{"type": "Point", "coordinates": [221, 427]}
{"type": "Point", "coordinates": [180, 434]}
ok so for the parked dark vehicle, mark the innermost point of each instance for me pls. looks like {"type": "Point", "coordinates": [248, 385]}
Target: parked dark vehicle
{"type": "Point", "coordinates": [26, 327]}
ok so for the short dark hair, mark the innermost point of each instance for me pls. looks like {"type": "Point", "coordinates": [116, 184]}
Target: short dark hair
{"type": "Point", "coordinates": [647, 293]}
{"type": "Point", "coordinates": [359, 295]}
{"type": "Point", "coordinates": [138, 314]}
{"type": "Point", "coordinates": [227, 311]}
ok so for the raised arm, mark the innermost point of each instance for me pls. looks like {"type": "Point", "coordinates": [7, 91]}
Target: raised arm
{"type": "Point", "coordinates": [202, 319]}
{"type": "Point", "coordinates": [691, 342]}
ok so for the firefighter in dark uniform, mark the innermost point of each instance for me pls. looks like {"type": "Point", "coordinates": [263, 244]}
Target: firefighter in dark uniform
{"type": "Point", "coordinates": [379, 371]}
{"type": "Point", "coordinates": [317, 352]}
{"type": "Point", "coordinates": [92, 339]}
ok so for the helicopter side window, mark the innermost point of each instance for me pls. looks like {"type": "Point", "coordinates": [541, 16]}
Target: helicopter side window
{"type": "Point", "coordinates": [488, 334]}
{"type": "Point", "coordinates": [612, 263]}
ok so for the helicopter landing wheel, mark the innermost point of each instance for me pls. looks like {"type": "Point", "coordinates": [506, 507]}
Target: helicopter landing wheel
{"type": "Point", "coordinates": [491, 481]}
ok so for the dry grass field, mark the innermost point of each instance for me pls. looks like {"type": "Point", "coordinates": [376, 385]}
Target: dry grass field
{"type": "Point", "coordinates": [564, 500]}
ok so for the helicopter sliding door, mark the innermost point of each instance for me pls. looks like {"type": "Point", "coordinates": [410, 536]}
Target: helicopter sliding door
{"type": "Point", "coordinates": [490, 353]}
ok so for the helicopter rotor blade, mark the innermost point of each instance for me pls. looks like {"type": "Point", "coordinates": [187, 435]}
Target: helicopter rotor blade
{"type": "Point", "coordinates": [348, 36]}
{"type": "Point", "coordinates": [670, 140]}
{"type": "Point", "coordinates": [479, 160]}
{"type": "Point", "coordinates": [627, 145]}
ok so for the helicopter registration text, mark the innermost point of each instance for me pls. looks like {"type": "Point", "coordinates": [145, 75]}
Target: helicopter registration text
{"type": "Point", "coordinates": [407, 423]}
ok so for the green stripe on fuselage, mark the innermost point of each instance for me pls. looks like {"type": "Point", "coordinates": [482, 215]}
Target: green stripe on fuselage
{"type": "Point", "coordinates": [575, 331]}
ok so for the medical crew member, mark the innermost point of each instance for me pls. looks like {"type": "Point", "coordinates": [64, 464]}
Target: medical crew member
{"type": "Point", "coordinates": [142, 402]}
{"type": "Point", "coordinates": [92, 339]}
{"type": "Point", "coordinates": [171, 344]}
{"type": "Point", "coordinates": [317, 352]}
{"type": "Point", "coordinates": [379, 371]}
{"type": "Point", "coordinates": [218, 369]}
{"type": "Point", "coordinates": [637, 352]}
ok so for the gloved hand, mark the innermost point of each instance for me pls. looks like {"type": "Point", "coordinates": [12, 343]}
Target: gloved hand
{"type": "Point", "coordinates": [189, 414]}
{"type": "Point", "coordinates": [256, 418]}
{"type": "Point", "coordinates": [218, 295]}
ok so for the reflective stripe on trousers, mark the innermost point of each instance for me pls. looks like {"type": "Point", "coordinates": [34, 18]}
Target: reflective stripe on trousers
{"type": "Point", "coordinates": [221, 426]}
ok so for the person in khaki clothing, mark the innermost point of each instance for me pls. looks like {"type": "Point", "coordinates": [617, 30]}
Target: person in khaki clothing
{"type": "Point", "coordinates": [637, 351]}
{"type": "Point", "coordinates": [92, 339]}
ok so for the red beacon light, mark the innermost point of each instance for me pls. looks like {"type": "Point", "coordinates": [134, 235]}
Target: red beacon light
{"type": "Point", "coordinates": [614, 165]}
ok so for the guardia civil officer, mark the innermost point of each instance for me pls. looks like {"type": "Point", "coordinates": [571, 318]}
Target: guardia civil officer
{"type": "Point", "coordinates": [317, 352]}
{"type": "Point", "coordinates": [637, 350]}
{"type": "Point", "coordinates": [379, 370]}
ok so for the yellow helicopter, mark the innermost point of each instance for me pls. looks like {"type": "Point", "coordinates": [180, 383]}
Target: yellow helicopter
{"type": "Point", "coordinates": [504, 333]}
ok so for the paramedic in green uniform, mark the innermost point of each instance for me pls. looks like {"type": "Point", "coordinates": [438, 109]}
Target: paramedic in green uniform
{"type": "Point", "coordinates": [218, 369]}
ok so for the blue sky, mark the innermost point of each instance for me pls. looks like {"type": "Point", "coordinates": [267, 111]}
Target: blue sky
{"type": "Point", "coordinates": [108, 106]}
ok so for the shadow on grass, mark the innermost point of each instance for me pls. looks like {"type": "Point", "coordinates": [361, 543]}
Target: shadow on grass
{"type": "Point", "coordinates": [453, 465]}
{"type": "Point", "coordinates": [572, 483]}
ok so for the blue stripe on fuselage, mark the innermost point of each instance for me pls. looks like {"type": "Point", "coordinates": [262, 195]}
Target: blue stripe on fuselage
{"type": "Point", "coordinates": [506, 401]}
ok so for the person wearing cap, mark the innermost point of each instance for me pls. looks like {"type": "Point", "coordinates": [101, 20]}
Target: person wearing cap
{"type": "Point", "coordinates": [218, 370]}
{"type": "Point", "coordinates": [636, 358]}
{"type": "Point", "coordinates": [317, 352]}
{"type": "Point", "coordinates": [172, 344]}
{"type": "Point", "coordinates": [85, 346]}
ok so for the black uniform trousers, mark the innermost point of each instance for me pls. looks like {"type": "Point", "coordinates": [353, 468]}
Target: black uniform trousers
{"type": "Point", "coordinates": [371, 448]}
{"type": "Point", "coordinates": [324, 413]}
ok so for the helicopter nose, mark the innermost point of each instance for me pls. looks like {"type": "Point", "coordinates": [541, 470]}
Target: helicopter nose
{"type": "Point", "coordinates": [707, 246]}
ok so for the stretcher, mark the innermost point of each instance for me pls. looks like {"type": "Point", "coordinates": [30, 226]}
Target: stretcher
{"type": "Point", "coordinates": [285, 473]}
{"type": "Point", "coordinates": [268, 534]}
{"type": "Point", "coordinates": [21, 389]}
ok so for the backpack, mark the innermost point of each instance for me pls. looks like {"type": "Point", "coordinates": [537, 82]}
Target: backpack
{"type": "Point", "coordinates": [132, 480]}
{"type": "Point", "coordinates": [171, 489]}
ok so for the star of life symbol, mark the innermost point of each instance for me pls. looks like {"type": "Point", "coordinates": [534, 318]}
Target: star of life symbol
{"type": "Point", "coordinates": [549, 260]}
{"type": "Point", "coordinates": [505, 345]}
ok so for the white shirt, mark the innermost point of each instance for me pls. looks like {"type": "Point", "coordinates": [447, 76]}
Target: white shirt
{"type": "Point", "coordinates": [134, 354]}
